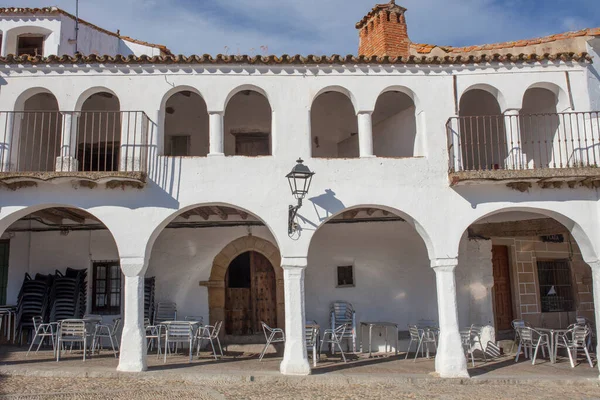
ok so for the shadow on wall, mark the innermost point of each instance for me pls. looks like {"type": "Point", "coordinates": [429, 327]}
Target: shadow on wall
{"type": "Point", "coordinates": [326, 205]}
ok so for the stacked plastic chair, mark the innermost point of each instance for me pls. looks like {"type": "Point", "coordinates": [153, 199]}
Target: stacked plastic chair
{"type": "Point", "coordinates": [33, 301]}
{"type": "Point", "coordinates": [342, 313]}
{"type": "Point", "coordinates": [149, 285]}
{"type": "Point", "coordinates": [68, 295]}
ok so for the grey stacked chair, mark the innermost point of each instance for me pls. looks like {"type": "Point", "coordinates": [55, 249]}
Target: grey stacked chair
{"type": "Point", "coordinates": [69, 295]}
{"type": "Point", "coordinates": [210, 333]}
{"type": "Point", "coordinates": [583, 321]}
{"type": "Point", "coordinates": [71, 331]}
{"type": "Point", "coordinates": [179, 332]}
{"type": "Point", "coordinates": [43, 331]}
{"type": "Point", "coordinates": [106, 331]}
{"type": "Point", "coordinates": [342, 313]}
{"type": "Point", "coordinates": [149, 287]}
{"type": "Point", "coordinates": [272, 335]}
{"type": "Point", "coordinates": [33, 301]}
{"type": "Point", "coordinates": [334, 337]}
{"type": "Point", "coordinates": [573, 340]}
{"type": "Point", "coordinates": [533, 339]}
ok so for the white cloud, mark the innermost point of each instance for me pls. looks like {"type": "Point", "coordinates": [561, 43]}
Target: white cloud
{"type": "Point", "coordinates": [321, 26]}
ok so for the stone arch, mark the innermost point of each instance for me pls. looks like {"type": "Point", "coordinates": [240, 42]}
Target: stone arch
{"type": "Point", "coordinates": [218, 273]}
{"type": "Point", "coordinates": [28, 94]}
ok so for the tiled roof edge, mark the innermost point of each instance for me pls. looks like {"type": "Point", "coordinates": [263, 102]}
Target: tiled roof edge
{"type": "Point", "coordinates": [295, 60]}
{"type": "Point", "coordinates": [56, 10]}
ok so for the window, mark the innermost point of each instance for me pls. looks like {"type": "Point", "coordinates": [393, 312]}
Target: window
{"type": "Point", "coordinates": [4, 247]}
{"type": "Point", "coordinates": [345, 276]}
{"type": "Point", "coordinates": [106, 288]}
{"type": "Point", "coordinates": [30, 45]}
{"type": "Point", "coordinates": [556, 292]}
{"type": "Point", "coordinates": [252, 144]}
{"type": "Point", "coordinates": [180, 146]}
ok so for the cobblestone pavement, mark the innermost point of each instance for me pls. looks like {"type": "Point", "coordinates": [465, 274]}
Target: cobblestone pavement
{"type": "Point", "coordinates": [19, 387]}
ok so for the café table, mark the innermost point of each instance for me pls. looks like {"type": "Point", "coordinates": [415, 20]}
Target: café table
{"type": "Point", "coordinates": [552, 333]}
{"type": "Point", "coordinates": [383, 325]}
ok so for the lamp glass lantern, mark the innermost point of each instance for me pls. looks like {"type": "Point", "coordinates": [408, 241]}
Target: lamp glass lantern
{"type": "Point", "coordinates": [299, 179]}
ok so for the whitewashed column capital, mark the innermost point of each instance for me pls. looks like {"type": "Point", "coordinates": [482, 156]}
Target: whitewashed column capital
{"type": "Point", "coordinates": [444, 264]}
{"type": "Point", "coordinates": [365, 112]}
{"type": "Point", "coordinates": [292, 263]}
{"type": "Point", "coordinates": [512, 111]}
{"type": "Point", "coordinates": [133, 266]}
{"type": "Point", "coordinates": [594, 265]}
{"type": "Point", "coordinates": [217, 112]}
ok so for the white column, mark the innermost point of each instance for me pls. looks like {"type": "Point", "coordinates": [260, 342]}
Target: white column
{"type": "Point", "coordinates": [3, 53]}
{"type": "Point", "coordinates": [132, 357]}
{"type": "Point", "coordinates": [596, 289]}
{"type": "Point", "coordinates": [295, 359]}
{"type": "Point", "coordinates": [450, 361]}
{"type": "Point", "coordinates": [514, 144]}
{"type": "Point", "coordinates": [365, 134]}
{"type": "Point", "coordinates": [216, 133]}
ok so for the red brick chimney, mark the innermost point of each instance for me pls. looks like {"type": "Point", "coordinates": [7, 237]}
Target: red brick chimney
{"type": "Point", "coordinates": [383, 32]}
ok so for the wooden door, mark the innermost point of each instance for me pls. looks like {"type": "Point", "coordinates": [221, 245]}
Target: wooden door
{"type": "Point", "coordinates": [502, 292]}
{"type": "Point", "coordinates": [264, 301]}
{"type": "Point", "coordinates": [252, 145]}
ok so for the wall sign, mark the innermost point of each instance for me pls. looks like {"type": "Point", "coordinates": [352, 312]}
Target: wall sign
{"type": "Point", "coordinates": [553, 238]}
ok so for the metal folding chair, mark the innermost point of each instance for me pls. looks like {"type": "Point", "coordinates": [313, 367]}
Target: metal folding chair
{"type": "Point", "coordinates": [43, 331]}
{"type": "Point", "coordinates": [71, 331]}
{"type": "Point", "coordinates": [312, 339]}
{"type": "Point", "coordinates": [273, 335]}
{"type": "Point", "coordinates": [210, 333]}
{"type": "Point", "coordinates": [335, 338]}
{"type": "Point", "coordinates": [179, 332]}
{"type": "Point", "coordinates": [572, 340]}
{"type": "Point", "coordinates": [529, 337]}
{"type": "Point", "coordinates": [107, 331]}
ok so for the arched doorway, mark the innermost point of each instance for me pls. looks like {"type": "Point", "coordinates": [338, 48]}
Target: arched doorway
{"type": "Point", "coordinates": [250, 294]}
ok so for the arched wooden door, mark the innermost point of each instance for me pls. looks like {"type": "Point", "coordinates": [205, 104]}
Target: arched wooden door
{"type": "Point", "coordinates": [250, 294]}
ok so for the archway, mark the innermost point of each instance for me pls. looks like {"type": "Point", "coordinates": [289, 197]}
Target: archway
{"type": "Point", "coordinates": [395, 126]}
{"type": "Point", "coordinates": [248, 125]}
{"type": "Point", "coordinates": [482, 131]}
{"type": "Point", "coordinates": [186, 125]}
{"type": "Point", "coordinates": [334, 126]}
{"type": "Point", "coordinates": [250, 294]}
{"type": "Point", "coordinates": [531, 266]}
{"type": "Point", "coordinates": [539, 127]}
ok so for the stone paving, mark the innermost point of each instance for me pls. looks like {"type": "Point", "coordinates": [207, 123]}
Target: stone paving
{"type": "Point", "coordinates": [241, 376]}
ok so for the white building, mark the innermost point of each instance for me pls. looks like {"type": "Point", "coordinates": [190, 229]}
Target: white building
{"type": "Point", "coordinates": [453, 184]}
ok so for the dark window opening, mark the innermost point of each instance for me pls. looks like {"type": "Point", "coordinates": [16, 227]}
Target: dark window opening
{"type": "Point", "coordinates": [30, 45]}
{"type": "Point", "coordinates": [252, 144]}
{"type": "Point", "coordinates": [556, 290]}
{"type": "Point", "coordinates": [238, 274]}
{"type": "Point", "coordinates": [180, 146]}
{"type": "Point", "coordinates": [106, 288]}
{"type": "Point", "coordinates": [345, 276]}
{"type": "Point", "coordinates": [99, 157]}
{"type": "Point", "coordinates": [4, 249]}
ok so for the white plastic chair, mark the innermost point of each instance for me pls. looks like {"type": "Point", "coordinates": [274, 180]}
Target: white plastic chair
{"type": "Point", "coordinates": [179, 332]}
{"type": "Point", "coordinates": [273, 335]}
{"type": "Point", "coordinates": [210, 333]}
{"type": "Point", "coordinates": [107, 331]}
{"type": "Point", "coordinates": [532, 338]}
{"type": "Point", "coordinates": [42, 331]}
{"type": "Point", "coordinates": [573, 340]}
{"type": "Point", "coordinates": [335, 338]}
{"type": "Point", "coordinates": [71, 331]}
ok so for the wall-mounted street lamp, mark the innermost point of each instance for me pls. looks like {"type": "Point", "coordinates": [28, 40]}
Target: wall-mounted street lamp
{"type": "Point", "coordinates": [299, 179]}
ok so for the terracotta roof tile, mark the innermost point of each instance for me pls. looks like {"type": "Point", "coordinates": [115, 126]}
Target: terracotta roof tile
{"type": "Point", "coordinates": [459, 59]}
{"type": "Point", "coordinates": [56, 10]}
{"type": "Point", "coordinates": [427, 48]}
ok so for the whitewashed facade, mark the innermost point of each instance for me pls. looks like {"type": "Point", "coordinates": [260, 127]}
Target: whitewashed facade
{"type": "Point", "coordinates": [374, 131]}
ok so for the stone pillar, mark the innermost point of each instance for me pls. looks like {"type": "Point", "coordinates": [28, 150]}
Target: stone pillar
{"type": "Point", "coordinates": [365, 134]}
{"type": "Point", "coordinates": [217, 135]}
{"type": "Point", "coordinates": [66, 161]}
{"type": "Point", "coordinates": [295, 359]}
{"type": "Point", "coordinates": [132, 357]}
{"type": "Point", "coordinates": [596, 289]}
{"type": "Point", "coordinates": [450, 361]}
{"type": "Point", "coordinates": [514, 144]}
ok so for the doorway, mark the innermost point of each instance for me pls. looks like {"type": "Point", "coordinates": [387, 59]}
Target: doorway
{"type": "Point", "coordinates": [250, 296]}
{"type": "Point", "coordinates": [503, 314]}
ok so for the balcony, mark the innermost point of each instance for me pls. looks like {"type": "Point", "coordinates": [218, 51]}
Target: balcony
{"type": "Point", "coordinates": [90, 147]}
{"type": "Point", "coordinates": [549, 150]}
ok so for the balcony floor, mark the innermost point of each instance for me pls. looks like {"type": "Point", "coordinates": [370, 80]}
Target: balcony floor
{"type": "Point", "coordinates": [14, 180]}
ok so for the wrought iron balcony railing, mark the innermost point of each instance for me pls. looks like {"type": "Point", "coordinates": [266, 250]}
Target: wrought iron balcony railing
{"type": "Point", "coordinates": [524, 142]}
{"type": "Point", "coordinates": [73, 141]}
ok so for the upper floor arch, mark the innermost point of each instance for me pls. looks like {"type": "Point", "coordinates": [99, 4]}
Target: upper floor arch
{"type": "Point", "coordinates": [29, 39]}
{"type": "Point", "coordinates": [545, 97]}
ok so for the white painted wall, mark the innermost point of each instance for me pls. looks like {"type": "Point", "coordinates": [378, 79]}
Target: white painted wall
{"type": "Point", "coordinates": [89, 41]}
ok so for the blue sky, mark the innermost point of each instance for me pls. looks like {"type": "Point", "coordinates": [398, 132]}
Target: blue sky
{"type": "Point", "coordinates": [322, 26]}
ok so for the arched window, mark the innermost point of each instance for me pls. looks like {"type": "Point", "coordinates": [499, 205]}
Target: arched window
{"type": "Point", "coordinates": [334, 126]}
{"type": "Point", "coordinates": [539, 126]}
{"type": "Point", "coordinates": [395, 126]}
{"type": "Point", "coordinates": [186, 125]}
{"type": "Point", "coordinates": [248, 125]}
